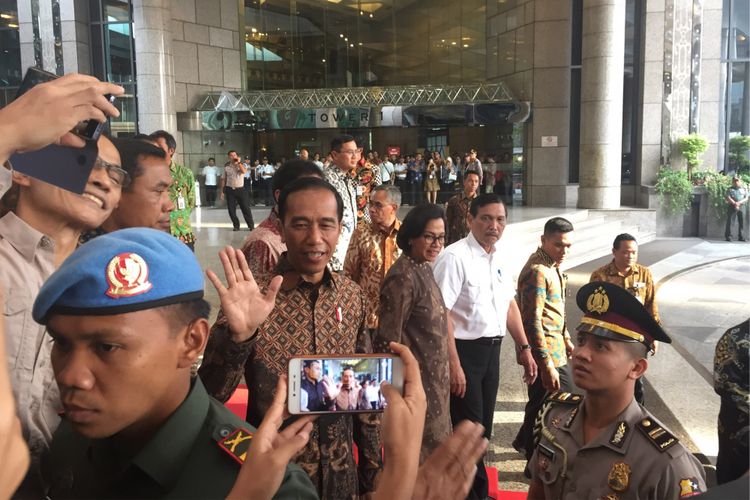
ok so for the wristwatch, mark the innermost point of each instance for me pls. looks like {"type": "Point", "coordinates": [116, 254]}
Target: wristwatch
{"type": "Point", "coordinates": [526, 347]}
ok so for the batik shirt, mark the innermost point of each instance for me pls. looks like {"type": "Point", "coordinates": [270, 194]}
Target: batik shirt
{"type": "Point", "coordinates": [367, 177]}
{"type": "Point", "coordinates": [456, 212]}
{"type": "Point", "coordinates": [182, 188]}
{"type": "Point", "coordinates": [327, 318]}
{"type": "Point", "coordinates": [732, 383]}
{"type": "Point", "coordinates": [638, 281]}
{"type": "Point", "coordinates": [263, 246]}
{"type": "Point", "coordinates": [369, 257]}
{"type": "Point", "coordinates": [412, 312]}
{"type": "Point", "coordinates": [541, 299]}
{"type": "Point", "coordinates": [347, 188]}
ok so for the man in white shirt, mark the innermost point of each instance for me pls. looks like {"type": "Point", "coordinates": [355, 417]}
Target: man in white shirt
{"type": "Point", "coordinates": [479, 293]}
{"type": "Point", "coordinates": [265, 174]}
{"type": "Point", "coordinates": [386, 170]}
{"type": "Point", "coordinates": [211, 173]}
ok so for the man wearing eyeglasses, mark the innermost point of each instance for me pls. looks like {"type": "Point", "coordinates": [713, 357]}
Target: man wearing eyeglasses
{"type": "Point", "coordinates": [345, 154]}
{"type": "Point", "coordinates": [145, 200]}
{"type": "Point", "coordinates": [35, 238]}
{"type": "Point", "coordinates": [478, 291]}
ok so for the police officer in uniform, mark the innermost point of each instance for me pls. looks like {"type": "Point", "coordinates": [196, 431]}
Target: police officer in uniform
{"type": "Point", "coordinates": [127, 319]}
{"type": "Point", "coordinates": [604, 444]}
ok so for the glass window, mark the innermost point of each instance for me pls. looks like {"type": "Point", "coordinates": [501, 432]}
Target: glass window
{"type": "Point", "coordinates": [112, 57]}
{"type": "Point", "coordinates": [736, 89]}
{"type": "Point", "coordinates": [314, 44]}
{"type": "Point", "coordinates": [10, 53]}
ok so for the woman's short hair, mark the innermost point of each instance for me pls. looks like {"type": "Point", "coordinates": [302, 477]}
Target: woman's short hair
{"type": "Point", "coordinates": [415, 222]}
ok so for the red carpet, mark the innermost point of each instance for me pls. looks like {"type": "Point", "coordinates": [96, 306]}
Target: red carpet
{"type": "Point", "coordinates": [238, 405]}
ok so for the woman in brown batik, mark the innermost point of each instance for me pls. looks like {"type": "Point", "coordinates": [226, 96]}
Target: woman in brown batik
{"type": "Point", "coordinates": [412, 313]}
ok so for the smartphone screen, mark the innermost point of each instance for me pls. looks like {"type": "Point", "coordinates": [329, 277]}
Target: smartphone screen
{"type": "Point", "coordinates": [341, 384]}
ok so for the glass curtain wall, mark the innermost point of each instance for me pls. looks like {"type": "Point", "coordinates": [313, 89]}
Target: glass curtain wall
{"type": "Point", "coordinates": [10, 52]}
{"type": "Point", "coordinates": [296, 44]}
{"type": "Point", "coordinates": [113, 57]}
{"type": "Point", "coordinates": [735, 125]}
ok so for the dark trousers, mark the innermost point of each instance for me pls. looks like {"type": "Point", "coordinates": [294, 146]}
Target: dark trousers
{"type": "Point", "coordinates": [731, 214]}
{"type": "Point", "coordinates": [238, 196]}
{"type": "Point", "coordinates": [480, 361]}
{"type": "Point", "coordinates": [524, 441]}
{"type": "Point", "coordinates": [210, 196]}
{"type": "Point", "coordinates": [248, 186]}
{"type": "Point", "coordinates": [267, 188]}
{"type": "Point", "coordinates": [732, 460]}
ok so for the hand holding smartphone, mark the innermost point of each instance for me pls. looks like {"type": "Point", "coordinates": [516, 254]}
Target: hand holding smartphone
{"type": "Point", "coordinates": [341, 384]}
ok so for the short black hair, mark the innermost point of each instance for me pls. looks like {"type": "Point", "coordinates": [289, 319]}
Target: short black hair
{"type": "Point", "coordinates": [131, 150]}
{"type": "Point", "coordinates": [471, 172]}
{"type": "Point", "coordinates": [182, 314]}
{"type": "Point", "coordinates": [557, 225]}
{"type": "Point", "coordinates": [415, 222]}
{"type": "Point", "coordinates": [309, 184]}
{"type": "Point", "coordinates": [339, 140]}
{"type": "Point", "coordinates": [622, 237]}
{"type": "Point", "coordinates": [168, 138]}
{"type": "Point", "coordinates": [212, 159]}
{"type": "Point", "coordinates": [307, 363]}
{"type": "Point", "coordinates": [482, 200]}
{"type": "Point", "coordinates": [292, 170]}
{"type": "Point", "coordinates": [230, 152]}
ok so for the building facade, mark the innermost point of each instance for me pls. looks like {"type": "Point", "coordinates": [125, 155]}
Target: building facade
{"type": "Point", "coordinates": [583, 99]}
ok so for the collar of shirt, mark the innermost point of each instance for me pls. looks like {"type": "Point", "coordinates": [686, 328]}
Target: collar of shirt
{"type": "Point", "coordinates": [477, 250]}
{"type": "Point", "coordinates": [163, 458]}
{"type": "Point", "coordinates": [631, 415]}
{"type": "Point", "coordinates": [613, 271]}
{"type": "Point", "coordinates": [546, 259]}
{"type": "Point", "coordinates": [391, 231]}
{"type": "Point", "coordinates": [24, 238]}
{"type": "Point", "coordinates": [293, 279]}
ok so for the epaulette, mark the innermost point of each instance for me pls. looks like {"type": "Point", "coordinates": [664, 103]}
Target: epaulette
{"type": "Point", "coordinates": [658, 435]}
{"type": "Point", "coordinates": [565, 398]}
{"type": "Point", "coordinates": [236, 444]}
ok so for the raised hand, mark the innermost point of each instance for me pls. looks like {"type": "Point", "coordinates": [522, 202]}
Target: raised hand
{"type": "Point", "coordinates": [242, 301]}
{"type": "Point", "coordinates": [270, 450]}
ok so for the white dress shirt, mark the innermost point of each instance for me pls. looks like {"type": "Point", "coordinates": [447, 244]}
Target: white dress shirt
{"type": "Point", "coordinates": [477, 289]}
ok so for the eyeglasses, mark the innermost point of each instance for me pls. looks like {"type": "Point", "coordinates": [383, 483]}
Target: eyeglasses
{"type": "Point", "coordinates": [431, 239]}
{"type": "Point", "coordinates": [351, 152]}
{"type": "Point", "coordinates": [116, 174]}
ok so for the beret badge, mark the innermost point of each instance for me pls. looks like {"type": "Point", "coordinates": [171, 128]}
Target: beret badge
{"type": "Point", "coordinates": [127, 276]}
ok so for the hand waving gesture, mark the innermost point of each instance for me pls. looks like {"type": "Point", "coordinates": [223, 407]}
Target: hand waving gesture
{"type": "Point", "coordinates": [242, 301]}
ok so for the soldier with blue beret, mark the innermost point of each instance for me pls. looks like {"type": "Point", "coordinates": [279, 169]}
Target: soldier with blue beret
{"type": "Point", "coordinates": [604, 444]}
{"type": "Point", "coordinates": [127, 319]}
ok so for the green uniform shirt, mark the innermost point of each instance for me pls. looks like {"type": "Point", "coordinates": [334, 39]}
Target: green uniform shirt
{"type": "Point", "coordinates": [182, 195]}
{"type": "Point", "coordinates": [183, 460]}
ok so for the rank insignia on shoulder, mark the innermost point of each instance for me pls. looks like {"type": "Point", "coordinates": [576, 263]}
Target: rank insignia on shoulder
{"type": "Point", "coordinates": [689, 487]}
{"type": "Point", "coordinates": [565, 398]}
{"type": "Point", "coordinates": [236, 444]}
{"type": "Point", "coordinates": [658, 435]}
{"type": "Point", "coordinates": [621, 432]}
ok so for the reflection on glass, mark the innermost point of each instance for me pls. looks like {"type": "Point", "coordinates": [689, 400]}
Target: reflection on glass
{"type": "Point", "coordinates": [314, 44]}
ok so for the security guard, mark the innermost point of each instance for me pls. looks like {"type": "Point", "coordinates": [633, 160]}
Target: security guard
{"type": "Point", "coordinates": [605, 445]}
{"type": "Point", "coordinates": [127, 319]}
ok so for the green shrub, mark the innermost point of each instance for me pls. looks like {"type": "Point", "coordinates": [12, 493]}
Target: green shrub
{"type": "Point", "coordinates": [675, 190]}
{"type": "Point", "coordinates": [738, 148]}
{"type": "Point", "coordinates": [691, 147]}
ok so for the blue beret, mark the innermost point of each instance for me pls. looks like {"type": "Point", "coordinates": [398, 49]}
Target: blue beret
{"type": "Point", "coordinates": [124, 271]}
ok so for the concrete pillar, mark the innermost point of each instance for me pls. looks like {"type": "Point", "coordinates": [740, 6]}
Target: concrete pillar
{"type": "Point", "coordinates": [601, 103]}
{"type": "Point", "coordinates": [155, 78]}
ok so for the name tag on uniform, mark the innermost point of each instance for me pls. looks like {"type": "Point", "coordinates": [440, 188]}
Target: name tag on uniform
{"type": "Point", "coordinates": [546, 451]}
{"type": "Point", "coordinates": [360, 190]}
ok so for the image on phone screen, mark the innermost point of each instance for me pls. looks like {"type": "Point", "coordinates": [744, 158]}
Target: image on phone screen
{"type": "Point", "coordinates": [340, 384]}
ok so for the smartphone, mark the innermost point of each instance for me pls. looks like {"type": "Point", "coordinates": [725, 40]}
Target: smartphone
{"type": "Point", "coordinates": [62, 166]}
{"type": "Point", "coordinates": [341, 384]}
{"type": "Point", "coordinates": [87, 129]}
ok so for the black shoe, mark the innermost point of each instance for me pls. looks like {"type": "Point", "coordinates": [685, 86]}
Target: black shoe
{"type": "Point", "coordinates": [235, 229]}
{"type": "Point", "coordinates": [741, 239]}
{"type": "Point", "coordinates": [728, 238]}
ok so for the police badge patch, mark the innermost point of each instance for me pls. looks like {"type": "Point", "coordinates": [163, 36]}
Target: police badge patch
{"type": "Point", "coordinates": [619, 477]}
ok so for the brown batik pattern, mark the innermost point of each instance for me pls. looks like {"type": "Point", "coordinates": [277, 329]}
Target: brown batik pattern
{"type": "Point", "coordinates": [304, 321]}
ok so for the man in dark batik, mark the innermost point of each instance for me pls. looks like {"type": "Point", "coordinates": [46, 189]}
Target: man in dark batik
{"type": "Point", "coordinates": [457, 209]}
{"type": "Point", "coordinates": [316, 312]}
{"type": "Point", "coordinates": [731, 376]}
{"type": "Point", "coordinates": [412, 313]}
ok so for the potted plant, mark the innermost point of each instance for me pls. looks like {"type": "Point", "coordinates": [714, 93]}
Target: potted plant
{"type": "Point", "coordinates": [692, 146]}
{"type": "Point", "coordinates": [674, 189]}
